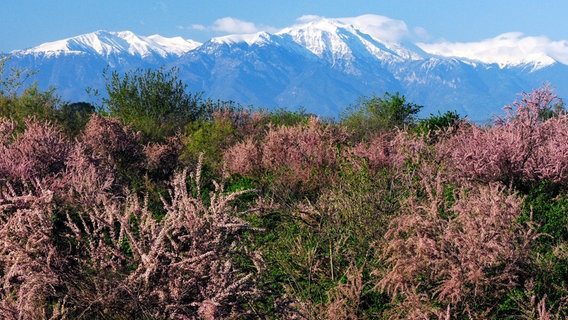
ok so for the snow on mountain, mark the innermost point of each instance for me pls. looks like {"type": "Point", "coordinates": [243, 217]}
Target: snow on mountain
{"type": "Point", "coordinates": [386, 39]}
{"type": "Point", "coordinates": [333, 39]}
{"type": "Point", "coordinates": [320, 36]}
{"type": "Point", "coordinates": [344, 38]}
{"type": "Point", "coordinates": [250, 39]}
{"type": "Point", "coordinates": [105, 43]}
{"type": "Point", "coordinates": [506, 50]}
{"type": "Point", "coordinates": [175, 45]}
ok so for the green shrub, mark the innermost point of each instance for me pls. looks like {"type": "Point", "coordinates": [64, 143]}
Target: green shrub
{"type": "Point", "coordinates": [154, 102]}
{"type": "Point", "coordinates": [374, 115]}
{"type": "Point", "coordinates": [436, 122]}
{"type": "Point", "coordinates": [73, 117]}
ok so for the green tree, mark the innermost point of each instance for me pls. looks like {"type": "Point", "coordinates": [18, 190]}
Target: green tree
{"type": "Point", "coordinates": [552, 111]}
{"type": "Point", "coordinates": [209, 138]}
{"type": "Point", "coordinates": [154, 102]}
{"type": "Point", "coordinates": [288, 118]}
{"type": "Point", "coordinates": [31, 103]}
{"type": "Point", "coordinates": [74, 116]}
{"type": "Point", "coordinates": [11, 82]}
{"type": "Point", "coordinates": [379, 114]}
{"type": "Point", "coordinates": [19, 101]}
{"type": "Point", "coordinates": [438, 124]}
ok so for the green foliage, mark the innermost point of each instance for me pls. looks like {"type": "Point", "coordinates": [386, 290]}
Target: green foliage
{"type": "Point", "coordinates": [13, 81]}
{"type": "Point", "coordinates": [154, 102]}
{"type": "Point", "coordinates": [553, 111]}
{"type": "Point", "coordinates": [31, 103]}
{"type": "Point", "coordinates": [288, 118]}
{"type": "Point", "coordinates": [74, 116]}
{"type": "Point", "coordinates": [208, 137]}
{"type": "Point", "coordinates": [316, 246]}
{"type": "Point", "coordinates": [546, 205]}
{"type": "Point", "coordinates": [18, 101]}
{"type": "Point", "coordinates": [438, 122]}
{"type": "Point", "coordinates": [375, 114]}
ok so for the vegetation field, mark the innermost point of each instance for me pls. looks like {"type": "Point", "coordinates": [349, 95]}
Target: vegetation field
{"type": "Point", "coordinates": [156, 203]}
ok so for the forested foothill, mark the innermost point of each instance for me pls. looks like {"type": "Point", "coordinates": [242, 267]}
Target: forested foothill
{"type": "Point", "coordinates": [158, 203]}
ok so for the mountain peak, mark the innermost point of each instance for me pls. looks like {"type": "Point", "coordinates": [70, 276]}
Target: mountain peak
{"type": "Point", "coordinates": [321, 24]}
{"type": "Point", "coordinates": [250, 39]}
{"type": "Point", "coordinates": [345, 38]}
{"type": "Point", "coordinates": [106, 43]}
{"type": "Point", "coordinates": [319, 36]}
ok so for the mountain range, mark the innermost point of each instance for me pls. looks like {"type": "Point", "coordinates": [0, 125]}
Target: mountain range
{"type": "Point", "coordinates": [322, 65]}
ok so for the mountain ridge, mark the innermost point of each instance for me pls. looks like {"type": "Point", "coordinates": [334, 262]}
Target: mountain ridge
{"type": "Point", "coordinates": [322, 65]}
{"type": "Point", "coordinates": [106, 43]}
{"type": "Point", "coordinates": [178, 45]}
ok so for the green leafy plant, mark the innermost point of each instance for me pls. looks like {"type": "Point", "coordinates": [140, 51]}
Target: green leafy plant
{"type": "Point", "coordinates": [373, 115]}
{"type": "Point", "coordinates": [155, 102]}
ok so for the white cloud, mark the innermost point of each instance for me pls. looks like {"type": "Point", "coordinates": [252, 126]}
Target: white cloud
{"type": "Point", "coordinates": [380, 27]}
{"type": "Point", "coordinates": [233, 25]}
{"type": "Point", "coordinates": [422, 33]}
{"type": "Point", "coordinates": [507, 48]}
{"type": "Point", "coordinates": [230, 25]}
{"type": "Point", "coordinates": [198, 27]}
{"type": "Point", "coordinates": [237, 26]}
{"type": "Point", "coordinates": [308, 18]}
{"type": "Point", "coordinates": [559, 50]}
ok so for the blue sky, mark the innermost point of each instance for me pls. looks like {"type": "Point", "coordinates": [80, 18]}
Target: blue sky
{"type": "Point", "coordinates": [28, 23]}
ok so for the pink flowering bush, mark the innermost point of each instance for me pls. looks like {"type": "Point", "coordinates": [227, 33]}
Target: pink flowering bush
{"type": "Point", "coordinates": [38, 152]}
{"type": "Point", "coordinates": [397, 150]}
{"type": "Point", "coordinates": [299, 156]}
{"type": "Point", "coordinates": [377, 152]}
{"type": "Point", "coordinates": [163, 158]}
{"type": "Point", "coordinates": [112, 258]}
{"type": "Point", "coordinates": [521, 146]}
{"type": "Point", "coordinates": [85, 181]}
{"type": "Point", "coordinates": [244, 158]}
{"type": "Point", "coordinates": [111, 142]}
{"type": "Point", "coordinates": [180, 266]}
{"type": "Point", "coordinates": [77, 242]}
{"type": "Point", "coordinates": [455, 258]}
{"type": "Point", "coordinates": [30, 261]}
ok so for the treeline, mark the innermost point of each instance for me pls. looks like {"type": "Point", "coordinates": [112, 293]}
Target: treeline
{"type": "Point", "coordinates": [159, 203]}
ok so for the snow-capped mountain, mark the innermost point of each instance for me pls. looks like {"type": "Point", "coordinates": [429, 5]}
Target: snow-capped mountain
{"type": "Point", "coordinates": [105, 43]}
{"type": "Point", "coordinates": [511, 49]}
{"type": "Point", "coordinates": [336, 39]}
{"type": "Point", "coordinates": [320, 64]}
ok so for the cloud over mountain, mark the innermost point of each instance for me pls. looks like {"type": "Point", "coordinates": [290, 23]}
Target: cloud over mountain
{"type": "Point", "coordinates": [232, 25]}
{"type": "Point", "coordinates": [380, 27]}
{"type": "Point", "coordinates": [508, 48]}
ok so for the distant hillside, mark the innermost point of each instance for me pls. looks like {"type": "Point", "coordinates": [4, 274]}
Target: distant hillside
{"type": "Point", "coordinates": [323, 65]}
